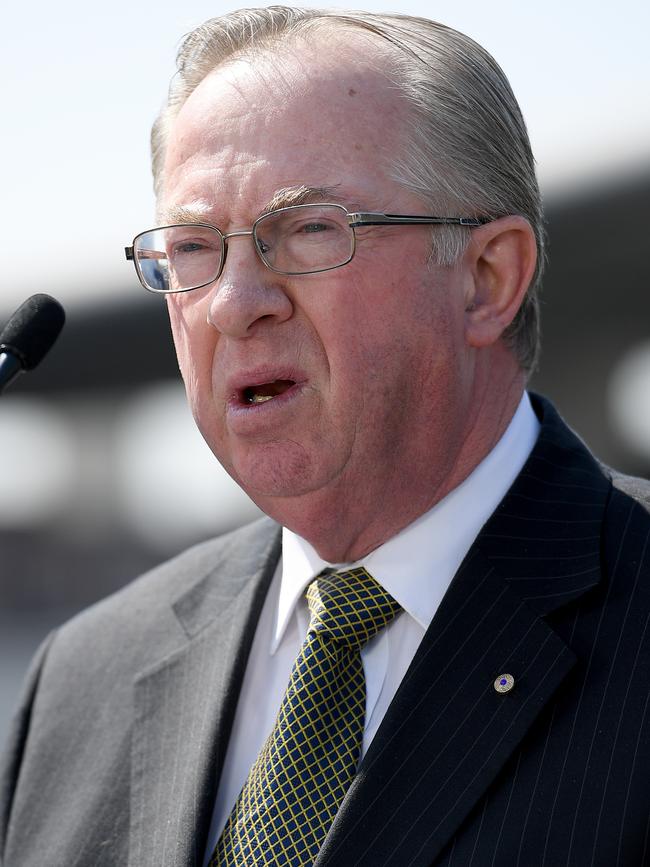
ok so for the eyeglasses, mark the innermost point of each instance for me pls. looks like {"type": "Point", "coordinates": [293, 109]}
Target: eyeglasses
{"type": "Point", "coordinates": [300, 239]}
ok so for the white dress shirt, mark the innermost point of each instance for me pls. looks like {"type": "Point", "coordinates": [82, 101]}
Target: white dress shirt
{"type": "Point", "coordinates": [416, 567]}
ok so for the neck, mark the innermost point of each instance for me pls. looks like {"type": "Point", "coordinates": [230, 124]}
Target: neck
{"type": "Point", "coordinates": [344, 528]}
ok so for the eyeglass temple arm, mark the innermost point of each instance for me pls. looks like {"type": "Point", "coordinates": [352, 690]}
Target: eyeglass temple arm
{"type": "Point", "coordinates": [146, 254]}
{"type": "Point", "coordinates": [372, 219]}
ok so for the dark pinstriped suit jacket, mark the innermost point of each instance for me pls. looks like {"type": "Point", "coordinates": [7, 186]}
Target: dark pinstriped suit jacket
{"type": "Point", "coordinates": [117, 750]}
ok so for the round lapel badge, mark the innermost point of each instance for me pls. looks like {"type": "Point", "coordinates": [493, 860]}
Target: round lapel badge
{"type": "Point", "coordinates": [504, 683]}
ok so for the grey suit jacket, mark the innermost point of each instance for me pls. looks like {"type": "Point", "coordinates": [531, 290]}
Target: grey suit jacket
{"type": "Point", "coordinates": [118, 746]}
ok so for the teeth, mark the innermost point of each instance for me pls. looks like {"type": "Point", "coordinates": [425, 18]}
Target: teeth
{"type": "Point", "coordinates": [260, 398]}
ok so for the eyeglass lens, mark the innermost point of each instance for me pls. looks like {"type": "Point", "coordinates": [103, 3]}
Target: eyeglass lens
{"type": "Point", "coordinates": [301, 239]}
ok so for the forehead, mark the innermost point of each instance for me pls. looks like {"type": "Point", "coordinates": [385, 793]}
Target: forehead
{"type": "Point", "coordinates": [307, 114]}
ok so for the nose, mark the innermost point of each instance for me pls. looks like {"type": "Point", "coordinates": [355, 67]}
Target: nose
{"type": "Point", "coordinates": [246, 293]}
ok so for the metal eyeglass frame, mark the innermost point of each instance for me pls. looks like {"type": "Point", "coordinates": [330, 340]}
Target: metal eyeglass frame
{"type": "Point", "coordinates": [355, 219]}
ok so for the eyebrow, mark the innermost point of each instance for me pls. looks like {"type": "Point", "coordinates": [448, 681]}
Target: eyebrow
{"type": "Point", "coordinates": [300, 195]}
{"type": "Point", "coordinates": [283, 198]}
{"type": "Point", "coordinates": [179, 214]}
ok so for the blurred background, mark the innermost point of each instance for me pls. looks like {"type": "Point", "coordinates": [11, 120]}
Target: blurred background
{"type": "Point", "coordinates": [102, 473]}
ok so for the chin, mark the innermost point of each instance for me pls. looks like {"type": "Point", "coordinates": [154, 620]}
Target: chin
{"type": "Point", "coordinates": [275, 471]}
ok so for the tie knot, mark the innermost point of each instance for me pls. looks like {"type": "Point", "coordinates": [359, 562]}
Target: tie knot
{"type": "Point", "coordinates": [350, 606]}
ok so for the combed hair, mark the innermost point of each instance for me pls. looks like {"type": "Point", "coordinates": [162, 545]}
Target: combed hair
{"type": "Point", "coordinates": [467, 151]}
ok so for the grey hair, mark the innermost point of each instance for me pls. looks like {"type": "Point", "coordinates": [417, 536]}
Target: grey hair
{"type": "Point", "coordinates": [468, 148]}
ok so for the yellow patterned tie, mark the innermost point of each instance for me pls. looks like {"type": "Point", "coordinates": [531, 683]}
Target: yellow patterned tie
{"type": "Point", "coordinates": [305, 767]}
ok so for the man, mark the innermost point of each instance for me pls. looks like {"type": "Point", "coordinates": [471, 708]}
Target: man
{"type": "Point", "coordinates": [362, 377]}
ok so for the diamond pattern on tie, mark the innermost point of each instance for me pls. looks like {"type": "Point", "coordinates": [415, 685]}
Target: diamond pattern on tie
{"type": "Point", "coordinates": [304, 769]}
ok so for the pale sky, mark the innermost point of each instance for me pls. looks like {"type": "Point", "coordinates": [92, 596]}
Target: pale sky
{"type": "Point", "coordinates": [83, 82]}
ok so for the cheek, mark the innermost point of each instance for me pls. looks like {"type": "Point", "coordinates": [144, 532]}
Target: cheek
{"type": "Point", "coordinates": [410, 348]}
{"type": "Point", "coordinates": [194, 340]}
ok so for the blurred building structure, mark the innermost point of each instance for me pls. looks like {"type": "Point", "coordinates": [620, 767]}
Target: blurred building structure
{"type": "Point", "coordinates": [102, 473]}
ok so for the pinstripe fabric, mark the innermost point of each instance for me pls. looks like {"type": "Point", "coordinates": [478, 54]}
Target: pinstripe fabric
{"type": "Point", "coordinates": [128, 712]}
{"type": "Point", "coordinates": [295, 787]}
{"type": "Point", "coordinates": [557, 592]}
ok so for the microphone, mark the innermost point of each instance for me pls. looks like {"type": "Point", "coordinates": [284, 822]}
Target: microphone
{"type": "Point", "coordinates": [28, 336]}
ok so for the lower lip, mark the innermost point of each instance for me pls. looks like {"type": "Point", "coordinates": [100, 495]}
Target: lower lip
{"type": "Point", "coordinates": [249, 417]}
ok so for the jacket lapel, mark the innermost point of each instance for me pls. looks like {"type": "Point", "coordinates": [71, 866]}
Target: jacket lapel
{"type": "Point", "coordinates": [448, 732]}
{"type": "Point", "coordinates": [185, 704]}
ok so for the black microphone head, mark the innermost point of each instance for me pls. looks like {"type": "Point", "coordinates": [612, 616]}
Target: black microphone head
{"type": "Point", "coordinates": [33, 329]}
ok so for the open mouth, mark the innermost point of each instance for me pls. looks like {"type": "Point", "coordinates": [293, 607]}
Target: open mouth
{"type": "Point", "coordinates": [254, 394]}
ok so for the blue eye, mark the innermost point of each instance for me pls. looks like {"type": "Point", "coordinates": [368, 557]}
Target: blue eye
{"type": "Point", "coordinates": [188, 247]}
{"type": "Point", "coordinates": [192, 246]}
{"type": "Point", "coordinates": [310, 228]}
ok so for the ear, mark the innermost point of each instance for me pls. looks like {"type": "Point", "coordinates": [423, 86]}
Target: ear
{"type": "Point", "coordinates": [500, 263]}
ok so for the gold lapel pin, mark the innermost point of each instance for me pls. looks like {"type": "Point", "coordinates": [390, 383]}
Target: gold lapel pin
{"type": "Point", "coordinates": [504, 683]}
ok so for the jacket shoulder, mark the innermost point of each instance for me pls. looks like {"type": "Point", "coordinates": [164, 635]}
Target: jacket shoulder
{"type": "Point", "coordinates": [139, 622]}
{"type": "Point", "coordinates": [636, 488]}
{"type": "Point", "coordinates": [222, 558]}
{"type": "Point", "coordinates": [77, 713]}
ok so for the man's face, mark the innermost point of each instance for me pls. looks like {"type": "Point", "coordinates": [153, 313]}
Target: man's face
{"type": "Point", "coordinates": [367, 362]}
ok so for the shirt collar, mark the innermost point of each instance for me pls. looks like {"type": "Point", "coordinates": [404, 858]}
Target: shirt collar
{"type": "Point", "coordinates": [417, 565]}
